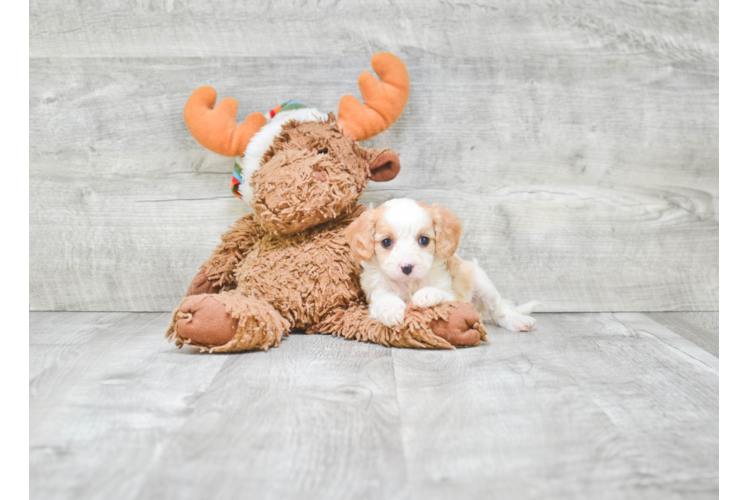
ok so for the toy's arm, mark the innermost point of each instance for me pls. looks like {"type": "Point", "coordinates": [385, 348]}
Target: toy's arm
{"type": "Point", "coordinates": [217, 273]}
{"type": "Point", "coordinates": [440, 327]}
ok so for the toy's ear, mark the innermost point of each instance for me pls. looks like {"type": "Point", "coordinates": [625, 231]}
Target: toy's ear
{"type": "Point", "coordinates": [360, 236]}
{"type": "Point", "coordinates": [384, 166]}
{"type": "Point", "coordinates": [447, 228]}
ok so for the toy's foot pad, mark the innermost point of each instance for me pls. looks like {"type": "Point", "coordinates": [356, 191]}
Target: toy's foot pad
{"type": "Point", "coordinates": [460, 328]}
{"type": "Point", "coordinates": [205, 321]}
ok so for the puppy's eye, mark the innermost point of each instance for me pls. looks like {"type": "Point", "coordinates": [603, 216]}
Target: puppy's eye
{"type": "Point", "coordinates": [423, 241]}
{"type": "Point", "coordinates": [386, 243]}
{"type": "Point", "coordinates": [322, 151]}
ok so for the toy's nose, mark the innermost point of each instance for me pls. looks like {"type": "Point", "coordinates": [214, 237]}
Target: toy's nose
{"type": "Point", "coordinates": [319, 175]}
{"type": "Point", "coordinates": [407, 268]}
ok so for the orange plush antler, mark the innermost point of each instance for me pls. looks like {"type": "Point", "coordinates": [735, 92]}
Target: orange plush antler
{"type": "Point", "coordinates": [384, 100]}
{"type": "Point", "coordinates": [216, 128]}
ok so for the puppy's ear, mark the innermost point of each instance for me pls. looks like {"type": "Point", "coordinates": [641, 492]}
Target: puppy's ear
{"type": "Point", "coordinates": [447, 228]}
{"type": "Point", "coordinates": [360, 236]}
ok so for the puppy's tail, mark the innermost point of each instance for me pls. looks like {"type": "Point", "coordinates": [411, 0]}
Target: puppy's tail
{"type": "Point", "coordinates": [527, 308]}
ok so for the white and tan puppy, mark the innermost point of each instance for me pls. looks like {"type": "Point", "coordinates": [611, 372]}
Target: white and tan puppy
{"type": "Point", "coordinates": [407, 251]}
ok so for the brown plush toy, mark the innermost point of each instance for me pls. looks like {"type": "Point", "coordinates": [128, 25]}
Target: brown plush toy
{"type": "Point", "coordinates": [286, 266]}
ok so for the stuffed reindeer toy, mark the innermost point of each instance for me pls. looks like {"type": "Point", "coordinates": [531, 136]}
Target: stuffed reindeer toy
{"type": "Point", "coordinates": [286, 265]}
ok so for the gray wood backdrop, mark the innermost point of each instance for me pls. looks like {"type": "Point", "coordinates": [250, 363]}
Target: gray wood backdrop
{"type": "Point", "coordinates": [578, 140]}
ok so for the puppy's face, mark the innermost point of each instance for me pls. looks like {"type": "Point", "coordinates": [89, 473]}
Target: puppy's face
{"type": "Point", "coordinates": [404, 237]}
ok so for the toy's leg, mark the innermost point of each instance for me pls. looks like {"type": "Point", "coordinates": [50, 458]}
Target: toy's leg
{"type": "Point", "coordinates": [226, 322]}
{"type": "Point", "coordinates": [202, 284]}
{"type": "Point", "coordinates": [440, 327]}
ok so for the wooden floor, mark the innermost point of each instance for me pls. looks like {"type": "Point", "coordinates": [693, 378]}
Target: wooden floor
{"type": "Point", "coordinates": [599, 405]}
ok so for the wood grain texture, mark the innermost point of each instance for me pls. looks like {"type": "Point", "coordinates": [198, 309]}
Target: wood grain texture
{"type": "Point", "coordinates": [679, 29]}
{"type": "Point", "coordinates": [585, 406]}
{"type": "Point", "coordinates": [577, 140]}
{"type": "Point", "coordinates": [106, 391]}
{"type": "Point", "coordinates": [583, 180]}
{"type": "Point", "coordinates": [700, 328]}
{"type": "Point", "coordinates": [315, 418]}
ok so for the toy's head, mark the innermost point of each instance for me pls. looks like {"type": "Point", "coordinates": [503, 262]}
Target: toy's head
{"type": "Point", "coordinates": [299, 167]}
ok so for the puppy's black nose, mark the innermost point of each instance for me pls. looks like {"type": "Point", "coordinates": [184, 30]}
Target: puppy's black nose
{"type": "Point", "coordinates": [407, 268]}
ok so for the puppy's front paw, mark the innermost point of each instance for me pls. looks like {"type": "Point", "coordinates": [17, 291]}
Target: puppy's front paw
{"type": "Point", "coordinates": [517, 322]}
{"type": "Point", "coordinates": [427, 297]}
{"type": "Point", "coordinates": [389, 312]}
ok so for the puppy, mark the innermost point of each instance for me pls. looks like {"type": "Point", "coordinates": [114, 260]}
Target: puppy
{"type": "Point", "coordinates": [407, 251]}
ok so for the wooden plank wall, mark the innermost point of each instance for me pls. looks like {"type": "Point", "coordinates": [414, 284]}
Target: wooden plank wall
{"type": "Point", "coordinates": [578, 140]}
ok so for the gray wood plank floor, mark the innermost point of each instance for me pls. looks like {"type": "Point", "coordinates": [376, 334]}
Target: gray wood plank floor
{"type": "Point", "coordinates": [701, 328]}
{"type": "Point", "coordinates": [600, 405]}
